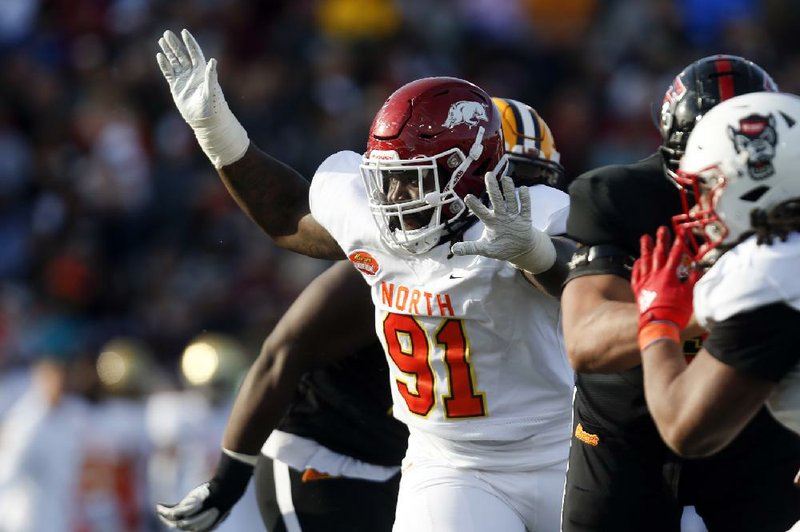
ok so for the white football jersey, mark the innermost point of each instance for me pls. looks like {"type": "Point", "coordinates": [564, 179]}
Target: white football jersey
{"type": "Point", "coordinates": [747, 277]}
{"type": "Point", "coordinates": [475, 352]}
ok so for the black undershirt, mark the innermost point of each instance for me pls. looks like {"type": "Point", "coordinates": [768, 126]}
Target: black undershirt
{"type": "Point", "coordinates": [763, 342]}
{"type": "Point", "coordinates": [347, 408]}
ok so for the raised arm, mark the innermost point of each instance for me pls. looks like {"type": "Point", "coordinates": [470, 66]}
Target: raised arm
{"type": "Point", "coordinates": [330, 320]}
{"type": "Point", "coordinates": [274, 195]}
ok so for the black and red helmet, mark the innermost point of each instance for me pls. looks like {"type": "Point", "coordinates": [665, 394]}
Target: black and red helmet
{"type": "Point", "coordinates": [446, 133]}
{"type": "Point", "coordinates": [698, 88]}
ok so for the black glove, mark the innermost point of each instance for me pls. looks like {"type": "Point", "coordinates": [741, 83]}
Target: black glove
{"type": "Point", "coordinates": [207, 505]}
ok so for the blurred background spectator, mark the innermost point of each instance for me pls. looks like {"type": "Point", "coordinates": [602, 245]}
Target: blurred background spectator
{"type": "Point", "coordinates": [112, 222]}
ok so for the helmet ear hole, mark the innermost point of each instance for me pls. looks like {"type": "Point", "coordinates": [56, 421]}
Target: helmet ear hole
{"type": "Point", "coordinates": [755, 194]}
{"type": "Point", "coordinates": [481, 169]}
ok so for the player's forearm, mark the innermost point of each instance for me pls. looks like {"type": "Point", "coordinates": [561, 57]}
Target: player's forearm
{"type": "Point", "coordinates": [272, 194]}
{"type": "Point", "coordinates": [683, 405]}
{"type": "Point", "coordinates": [330, 320]}
{"type": "Point", "coordinates": [668, 399]}
{"type": "Point", "coordinates": [699, 408]}
{"type": "Point", "coordinates": [266, 393]}
{"type": "Point", "coordinates": [552, 280]}
{"type": "Point", "coordinates": [275, 196]}
{"type": "Point", "coordinates": [603, 339]}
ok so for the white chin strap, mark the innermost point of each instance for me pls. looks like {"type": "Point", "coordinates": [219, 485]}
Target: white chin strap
{"type": "Point", "coordinates": [475, 152]}
{"type": "Point", "coordinates": [434, 199]}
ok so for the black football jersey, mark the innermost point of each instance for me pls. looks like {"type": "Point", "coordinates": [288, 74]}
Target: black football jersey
{"type": "Point", "coordinates": [614, 206]}
{"type": "Point", "coordinates": [347, 408]}
{"type": "Point", "coordinates": [618, 204]}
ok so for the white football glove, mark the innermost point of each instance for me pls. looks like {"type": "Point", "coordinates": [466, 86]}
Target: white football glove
{"type": "Point", "coordinates": [207, 505]}
{"type": "Point", "coordinates": [508, 232]}
{"type": "Point", "coordinates": [198, 96]}
{"type": "Point", "coordinates": [197, 511]}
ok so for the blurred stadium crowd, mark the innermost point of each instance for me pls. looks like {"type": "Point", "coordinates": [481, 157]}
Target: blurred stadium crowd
{"type": "Point", "coordinates": [113, 224]}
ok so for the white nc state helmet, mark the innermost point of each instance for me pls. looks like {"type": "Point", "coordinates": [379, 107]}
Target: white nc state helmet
{"type": "Point", "coordinates": [744, 154]}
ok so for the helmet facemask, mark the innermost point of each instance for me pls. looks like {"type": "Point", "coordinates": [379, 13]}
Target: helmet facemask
{"type": "Point", "coordinates": [419, 223]}
{"type": "Point", "coordinates": [700, 227]}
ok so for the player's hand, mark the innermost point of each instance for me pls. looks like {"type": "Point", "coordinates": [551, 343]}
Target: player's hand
{"type": "Point", "coordinates": [662, 281]}
{"type": "Point", "coordinates": [207, 505]}
{"type": "Point", "coordinates": [508, 232]}
{"type": "Point", "coordinates": [192, 81]}
{"type": "Point", "coordinates": [199, 510]}
{"type": "Point", "coordinates": [198, 96]}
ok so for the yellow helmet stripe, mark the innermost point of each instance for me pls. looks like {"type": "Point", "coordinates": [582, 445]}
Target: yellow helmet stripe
{"type": "Point", "coordinates": [525, 130]}
{"type": "Point", "coordinates": [526, 124]}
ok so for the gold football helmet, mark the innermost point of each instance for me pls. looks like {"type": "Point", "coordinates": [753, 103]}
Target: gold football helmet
{"type": "Point", "coordinates": [530, 146]}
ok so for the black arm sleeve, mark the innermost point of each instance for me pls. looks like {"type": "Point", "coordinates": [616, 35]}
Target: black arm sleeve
{"type": "Point", "coordinates": [764, 342]}
{"type": "Point", "coordinates": [599, 260]}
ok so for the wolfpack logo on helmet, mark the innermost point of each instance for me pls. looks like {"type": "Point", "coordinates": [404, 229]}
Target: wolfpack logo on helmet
{"type": "Point", "coordinates": [466, 112]}
{"type": "Point", "coordinates": [757, 137]}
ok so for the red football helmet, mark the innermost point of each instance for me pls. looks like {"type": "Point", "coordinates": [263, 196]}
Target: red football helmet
{"type": "Point", "coordinates": [441, 135]}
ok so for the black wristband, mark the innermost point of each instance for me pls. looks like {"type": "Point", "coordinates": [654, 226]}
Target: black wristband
{"type": "Point", "coordinates": [231, 479]}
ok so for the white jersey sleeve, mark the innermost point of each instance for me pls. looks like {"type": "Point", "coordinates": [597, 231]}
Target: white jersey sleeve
{"type": "Point", "coordinates": [747, 277]}
{"type": "Point", "coordinates": [549, 209]}
{"type": "Point", "coordinates": [337, 196]}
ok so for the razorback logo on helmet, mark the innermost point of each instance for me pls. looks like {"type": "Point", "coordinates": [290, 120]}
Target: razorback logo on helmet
{"type": "Point", "coordinates": [757, 137]}
{"type": "Point", "coordinates": [466, 112]}
{"type": "Point", "coordinates": [364, 262]}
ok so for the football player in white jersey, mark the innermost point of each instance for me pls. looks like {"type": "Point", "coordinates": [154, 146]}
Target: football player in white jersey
{"type": "Point", "coordinates": [741, 164]}
{"type": "Point", "coordinates": [477, 367]}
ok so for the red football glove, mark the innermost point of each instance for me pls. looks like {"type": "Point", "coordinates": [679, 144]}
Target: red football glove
{"type": "Point", "coordinates": [662, 281]}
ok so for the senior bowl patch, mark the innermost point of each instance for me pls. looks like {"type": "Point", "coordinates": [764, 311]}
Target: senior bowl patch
{"type": "Point", "coordinates": [364, 262]}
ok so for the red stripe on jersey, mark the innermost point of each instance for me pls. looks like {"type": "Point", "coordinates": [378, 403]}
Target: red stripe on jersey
{"type": "Point", "coordinates": [725, 79]}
